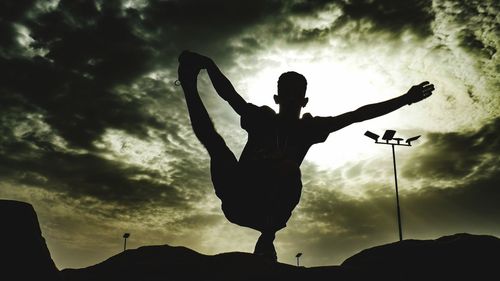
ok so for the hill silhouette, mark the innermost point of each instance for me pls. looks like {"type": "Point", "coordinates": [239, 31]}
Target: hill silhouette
{"type": "Point", "coordinates": [179, 263]}
{"type": "Point", "coordinates": [456, 257]}
{"type": "Point", "coordinates": [448, 258]}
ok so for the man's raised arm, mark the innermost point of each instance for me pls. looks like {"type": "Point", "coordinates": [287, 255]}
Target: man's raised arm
{"type": "Point", "coordinates": [415, 94]}
{"type": "Point", "coordinates": [220, 82]}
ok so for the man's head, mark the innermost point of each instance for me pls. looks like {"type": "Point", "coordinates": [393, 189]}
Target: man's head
{"type": "Point", "coordinates": [291, 92]}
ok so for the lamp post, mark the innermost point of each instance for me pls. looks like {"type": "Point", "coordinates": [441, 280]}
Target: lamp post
{"type": "Point", "coordinates": [298, 257]}
{"type": "Point", "coordinates": [125, 236]}
{"type": "Point", "coordinates": [392, 141]}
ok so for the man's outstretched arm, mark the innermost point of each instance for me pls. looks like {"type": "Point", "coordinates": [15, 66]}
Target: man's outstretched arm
{"type": "Point", "coordinates": [220, 82]}
{"type": "Point", "coordinates": [415, 94]}
{"type": "Point", "coordinates": [224, 88]}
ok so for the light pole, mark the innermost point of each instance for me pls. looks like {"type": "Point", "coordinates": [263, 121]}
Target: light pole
{"type": "Point", "coordinates": [125, 236]}
{"type": "Point", "coordinates": [388, 137]}
{"type": "Point", "coordinates": [298, 257]}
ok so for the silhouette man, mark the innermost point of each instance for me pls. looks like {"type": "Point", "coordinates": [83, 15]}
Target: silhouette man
{"type": "Point", "coordinates": [261, 189]}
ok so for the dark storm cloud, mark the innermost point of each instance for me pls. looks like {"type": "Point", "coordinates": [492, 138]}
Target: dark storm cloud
{"type": "Point", "coordinates": [11, 12]}
{"type": "Point", "coordinates": [389, 16]}
{"type": "Point", "coordinates": [89, 53]}
{"type": "Point", "coordinates": [80, 175]}
{"type": "Point", "coordinates": [457, 155]}
{"type": "Point", "coordinates": [477, 21]}
{"type": "Point", "coordinates": [205, 26]}
{"type": "Point", "coordinates": [91, 48]}
{"type": "Point", "coordinates": [32, 155]}
{"type": "Point", "coordinates": [393, 15]}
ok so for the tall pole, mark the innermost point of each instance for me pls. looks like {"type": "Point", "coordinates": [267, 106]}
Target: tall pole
{"type": "Point", "coordinates": [397, 193]}
{"type": "Point", "coordinates": [390, 139]}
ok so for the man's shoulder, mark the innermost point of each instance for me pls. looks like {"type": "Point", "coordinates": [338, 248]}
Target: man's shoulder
{"type": "Point", "coordinates": [263, 109]}
{"type": "Point", "coordinates": [314, 127]}
{"type": "Point", "coordinates": [257, 116]}
{"type": "Point", "coordinates": [308, 117]}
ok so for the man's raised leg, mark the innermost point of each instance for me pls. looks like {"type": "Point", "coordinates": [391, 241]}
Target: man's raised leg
{"type": "Point", "coordinates": [223, 163]}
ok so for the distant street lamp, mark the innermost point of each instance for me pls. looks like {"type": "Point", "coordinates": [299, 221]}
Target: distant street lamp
{"type": "Point", "coordinates": [298, 257]}
{"type": "Point", "coordinates": [125, 236]}
{"type": "Point", "coordinates": [388, 137]}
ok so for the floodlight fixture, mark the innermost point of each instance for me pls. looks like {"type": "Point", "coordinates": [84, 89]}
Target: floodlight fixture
{"type": "Point", "coordinates": [371, 135]}
{"type": "Point", "coordinates": [388, 135]}
{"type": "Point", "coordinates": [398, 140]}
{"type": "Point", "coordinates": [408, 141]}
{"type": "Point", "coordinates": [125, 236]}
{"type": "Point", "coordinates": [298, 255]}
{"type": "Point", "coordinates": [392, 141]}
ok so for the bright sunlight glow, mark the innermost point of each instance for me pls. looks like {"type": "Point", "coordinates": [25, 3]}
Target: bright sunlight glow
{"type": "Point", "coordinates": [335, 86]}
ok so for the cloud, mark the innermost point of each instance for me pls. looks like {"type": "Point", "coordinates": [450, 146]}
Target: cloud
{"type": "Point", "coordinates": [91, 48]}
{"type": "Point", "coordinates": [163, 169]}
{"type": "Point", "coordinates": [73, 85]}
{"type": "Point", "coordinates": [464, 156]}
{"type": "Point", "coordinates": [79, 175]}
{"type": "Point", "coordinates": [313, 21]}
{"type": "Point", "coordinates": [392, 15]}
{"type": "Point", "coordinates": [469, 31]}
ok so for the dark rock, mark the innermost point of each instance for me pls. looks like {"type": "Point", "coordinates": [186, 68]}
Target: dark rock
{"type": "Point", "coordinates": [24, 254]}
{"type": "Point", "coordinates": [456, 257]}
{"type": "Point", "coordinates": [179, 263]}
{"type": "Point", "coordinates": [473, 257]}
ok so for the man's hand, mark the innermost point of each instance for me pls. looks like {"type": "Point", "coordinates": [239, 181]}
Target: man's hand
{"type": "Point", "coordinates": [419, 92]}
{"type": "Point", "coordinates": [193, 60]}
{"type": "Point", "coordinates": [190, 64]}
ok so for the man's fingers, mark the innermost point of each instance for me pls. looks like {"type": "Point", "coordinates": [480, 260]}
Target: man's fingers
{"type": "Point", "coordinates": [423, 83]}
{"type": "Point", "coordinates": [428, 88]}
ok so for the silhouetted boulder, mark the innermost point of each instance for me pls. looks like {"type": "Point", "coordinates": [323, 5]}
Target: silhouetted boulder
{"type": "Point", "coordinates": [23, 253]}
{"type": "Point", "coordinates": [456, 257]}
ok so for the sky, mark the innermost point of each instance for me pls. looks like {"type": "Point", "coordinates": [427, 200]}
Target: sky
{"type": "Point", "coordinates": [96, 136]}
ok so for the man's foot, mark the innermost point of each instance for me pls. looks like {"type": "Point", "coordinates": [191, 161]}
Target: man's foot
{"type": "Point", "coordinates": [193, 60]}
{"type": "Point", "coordinates": [265, 247]}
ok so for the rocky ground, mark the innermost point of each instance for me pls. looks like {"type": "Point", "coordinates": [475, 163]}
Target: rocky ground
{"type": "Point", "coordinates": [455, 257]}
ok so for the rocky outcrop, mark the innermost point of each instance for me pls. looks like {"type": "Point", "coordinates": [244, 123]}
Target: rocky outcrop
{"type": "Point", "coordinates": [24, 254]}
{"type": "Point", "coordinates": [474, 257]}
{"type": "Point", "coordinates": [456, 257]}
{"type": "Point", "coordinates": [180, 263]}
